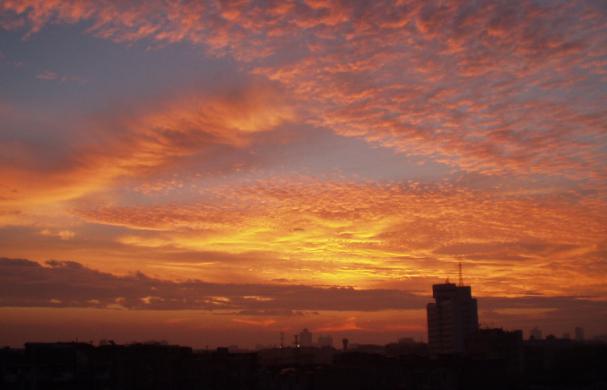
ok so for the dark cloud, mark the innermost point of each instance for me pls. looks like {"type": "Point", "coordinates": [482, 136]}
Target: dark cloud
{"type": "Point", "coordinates": [70, 284]}
{"type": "Point", "coordinates": [553, 314]}
{"type": "Point", "coordinates": [25, 283]}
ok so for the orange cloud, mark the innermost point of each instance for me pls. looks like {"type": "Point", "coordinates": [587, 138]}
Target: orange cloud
{"type": "Point", "coordinates": [62, 234]}
{"type": "Point", "coordinates": [255, 322]}
{"type": "Point", "coordinates": [348, 325]}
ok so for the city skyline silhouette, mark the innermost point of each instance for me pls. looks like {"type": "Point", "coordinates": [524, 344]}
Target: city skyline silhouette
{"type": "Point", "coordinates": [458, 355]}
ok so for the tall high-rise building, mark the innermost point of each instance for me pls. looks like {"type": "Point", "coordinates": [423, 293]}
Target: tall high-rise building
{"type": "Point", "coordinates": [451, 318]}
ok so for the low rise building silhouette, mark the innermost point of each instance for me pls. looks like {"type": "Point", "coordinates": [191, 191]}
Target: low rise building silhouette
{"type": "Point", "coordinates": [497, 344]}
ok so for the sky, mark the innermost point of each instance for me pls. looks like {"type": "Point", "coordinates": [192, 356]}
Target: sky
{"type": "Point", "coordinates": [217, 172]}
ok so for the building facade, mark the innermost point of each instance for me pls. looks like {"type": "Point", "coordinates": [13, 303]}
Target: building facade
{"type": "Point", "coordinates": [452, 317]}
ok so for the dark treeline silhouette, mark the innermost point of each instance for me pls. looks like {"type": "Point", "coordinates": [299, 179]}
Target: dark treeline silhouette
{"type": "Point", "coordinates": [494, 359]}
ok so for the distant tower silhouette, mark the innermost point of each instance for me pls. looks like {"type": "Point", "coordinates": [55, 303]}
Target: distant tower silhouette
{"type": "Point", "coordinates": [282, 340]}
{"type": "Point", "coordinates": [296, 341]}
{"type": "Point", "coordinates": [344, 343]}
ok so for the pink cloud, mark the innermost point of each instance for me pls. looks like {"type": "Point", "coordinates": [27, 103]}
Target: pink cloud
{"type": "Point", "coordinates": [153, 136]}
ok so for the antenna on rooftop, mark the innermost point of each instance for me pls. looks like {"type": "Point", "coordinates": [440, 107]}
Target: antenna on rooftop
{"type": "Point", "coordinates": [461, 276]}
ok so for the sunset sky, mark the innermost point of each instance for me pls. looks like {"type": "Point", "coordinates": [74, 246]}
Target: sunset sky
{"type": "Point", "coordinates": [214, 173]}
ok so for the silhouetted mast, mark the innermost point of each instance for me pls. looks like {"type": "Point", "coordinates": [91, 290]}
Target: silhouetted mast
{"type": "Point", "coordinates": [461, 276]}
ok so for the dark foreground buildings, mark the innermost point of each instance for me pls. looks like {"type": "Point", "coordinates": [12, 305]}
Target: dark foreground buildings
{"type": "Point", "coordinates": [136, 366]}
{"type": "Point", "coordinates": [495, 360]}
